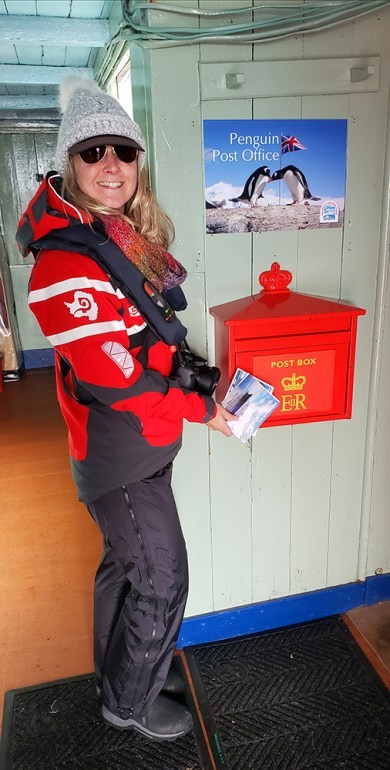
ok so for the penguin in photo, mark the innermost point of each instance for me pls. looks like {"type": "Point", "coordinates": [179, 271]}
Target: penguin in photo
{"type": "Point", "coordinates": [254, 186]}
{"type": "Point", "coordinates": [296, 183]}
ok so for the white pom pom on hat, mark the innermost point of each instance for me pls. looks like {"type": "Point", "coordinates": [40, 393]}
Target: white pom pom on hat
{"type": "Point", "coordinates": [70, 84]}
{"type": "Point", "coordinates": [88, 113]}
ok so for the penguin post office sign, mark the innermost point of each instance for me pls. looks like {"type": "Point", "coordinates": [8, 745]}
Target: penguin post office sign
{"type": "Point", "coordinates": [265, 175]}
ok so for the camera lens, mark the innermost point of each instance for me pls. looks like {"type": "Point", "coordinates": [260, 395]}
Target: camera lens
{"type": "Point", "coordinates": [207, 379]}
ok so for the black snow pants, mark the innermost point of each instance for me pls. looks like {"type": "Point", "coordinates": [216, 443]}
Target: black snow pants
{"type": "Point", "coordinates": [141, 590]}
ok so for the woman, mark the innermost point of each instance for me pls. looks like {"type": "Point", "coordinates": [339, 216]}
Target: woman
{"type": "Point", "coordinates": [123, 407]}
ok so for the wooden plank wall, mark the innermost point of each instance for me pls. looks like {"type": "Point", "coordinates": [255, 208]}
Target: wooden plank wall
{"type": "Point", "coordinates": [23, 155]}
{"type": "Point", "coordinates": [285, 514]}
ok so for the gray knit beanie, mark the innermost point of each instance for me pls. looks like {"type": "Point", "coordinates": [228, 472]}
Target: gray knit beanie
{"type": "Point", "coordinates": [89, 113]}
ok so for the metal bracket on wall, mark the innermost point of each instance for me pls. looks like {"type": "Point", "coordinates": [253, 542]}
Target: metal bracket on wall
{"type": "Point", "coordinates": [234, 79]}
{"type": "Point", "coordinates": [361, 73]}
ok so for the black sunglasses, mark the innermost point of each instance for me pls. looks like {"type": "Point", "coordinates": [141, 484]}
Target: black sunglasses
{"type": "Point", "coordinates": [122, 152]}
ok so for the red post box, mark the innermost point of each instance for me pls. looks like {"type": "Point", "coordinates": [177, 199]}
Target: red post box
{"type": "Point", "coordinates": [301, 344]}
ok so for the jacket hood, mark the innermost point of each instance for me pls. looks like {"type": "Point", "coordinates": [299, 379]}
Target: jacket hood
{"type": "Point", "coordinates": [47, 212]}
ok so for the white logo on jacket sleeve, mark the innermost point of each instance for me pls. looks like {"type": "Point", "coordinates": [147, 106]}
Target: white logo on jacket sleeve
{"type": "Point", "coordinates": [121, 356]}
{"type": "Point", "coordinates": [83, 304]}
{"type": "Point", "coordinates": [133, 310]}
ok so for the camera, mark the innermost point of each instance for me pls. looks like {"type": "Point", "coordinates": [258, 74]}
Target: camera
{"type": "Point", "coordinates": [193, 373]}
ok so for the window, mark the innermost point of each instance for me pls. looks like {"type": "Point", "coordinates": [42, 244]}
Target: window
{"type": "Point", "coordinates": [120, 84]}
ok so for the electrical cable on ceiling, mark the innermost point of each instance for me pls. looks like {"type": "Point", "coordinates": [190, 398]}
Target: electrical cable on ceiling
{"type": "Point", "coordinates": [289, 18]}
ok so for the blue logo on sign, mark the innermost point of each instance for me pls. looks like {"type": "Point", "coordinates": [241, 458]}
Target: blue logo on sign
{"type": "Point", "coordinates": [329, 212]}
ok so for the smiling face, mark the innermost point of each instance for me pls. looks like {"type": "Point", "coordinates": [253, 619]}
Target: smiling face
{"type": "Point", "coordinates": [110, 182]}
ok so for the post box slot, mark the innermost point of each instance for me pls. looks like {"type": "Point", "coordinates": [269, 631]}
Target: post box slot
{"type": "Point", "coordinates": [273, 327]}
{"type": "Point", "coordinates": [283, 342]}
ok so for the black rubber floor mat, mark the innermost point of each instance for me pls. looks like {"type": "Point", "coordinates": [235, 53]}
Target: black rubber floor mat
{"type": "Point", "coordinates": [58, 726]}
{"type": "Point", "coordinates": [302, 698]}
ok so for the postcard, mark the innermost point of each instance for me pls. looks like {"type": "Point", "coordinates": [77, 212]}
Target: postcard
{"type": "Point", "coordinates": [239, 376]}
{"type": "Point", "coordinates": [252, 401]}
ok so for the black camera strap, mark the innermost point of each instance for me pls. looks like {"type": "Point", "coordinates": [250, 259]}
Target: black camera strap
{"type": "Point", "coordinates": [123, 275]}
{"type": "Point", "coordinates": [154, 308]}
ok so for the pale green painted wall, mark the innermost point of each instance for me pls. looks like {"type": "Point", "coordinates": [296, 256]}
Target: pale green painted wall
{"type": "Point", "coordinates": [305, 507]}
{"type": "Point", "coordinates": [301, 508]}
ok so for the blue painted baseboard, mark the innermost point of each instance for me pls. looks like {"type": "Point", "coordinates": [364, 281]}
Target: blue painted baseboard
{"type": "Point", "coordinates": [377, 589]}
{"type": "Point", "coordinates": [276, 613]}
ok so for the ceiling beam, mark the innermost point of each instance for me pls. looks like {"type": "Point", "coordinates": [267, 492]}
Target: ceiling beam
{"type": "Point", "coordinates": [53, 30]}
{"type": "Point", "coordinates": [39, 74]}
{"type": "Point", "coordinates": [24, 122]}
{"type": "Point", "coordinates": [28, 102]}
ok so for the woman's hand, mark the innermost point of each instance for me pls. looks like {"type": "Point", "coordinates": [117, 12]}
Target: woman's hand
{"type": "Point", "coordinates": [219, 421]}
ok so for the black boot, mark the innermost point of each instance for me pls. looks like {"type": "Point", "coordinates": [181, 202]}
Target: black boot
{"type": "Point", "coordinates": [165, 720]}
{"type": "Point", "coordinates": [174, 684]}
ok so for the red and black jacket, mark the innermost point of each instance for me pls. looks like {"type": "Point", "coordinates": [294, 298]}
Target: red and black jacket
{"type": "Point", "coordinates": [123, 410]}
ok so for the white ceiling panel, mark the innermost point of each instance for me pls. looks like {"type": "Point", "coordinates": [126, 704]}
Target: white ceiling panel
{"type": "Point", "coordinates": [53, 55]}
{"type": "Point", "coordinates": [22, 7]}
{"type": "Point", "coordinates": [28, 54]}
{"type": "Point", "coordinates": [8, 54]}
{"type": "Point", "coordinates": [43, 40]}
{"type": "Point", "coordinates": [46, 30]}
{"type": "Point", "coordinates": [47, 89]}
{"type": "Point", "coordinates": [91, 9]}
{"type": "Point", "coordinates": [56, 8]}
{"type": "Point", "coordinates": [92, 57]}
{"type": "Point", "coordinates": [37, 89]}
{"type": "Point", "coordinates": [23, 74]}
{"type": "Point", "coordinates": [16, 89]}
{"type": "Point", "coordinates": [77, 57]}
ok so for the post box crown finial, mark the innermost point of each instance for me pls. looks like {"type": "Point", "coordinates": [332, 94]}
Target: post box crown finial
{"type": "Point", "coordinates": [275, 280]}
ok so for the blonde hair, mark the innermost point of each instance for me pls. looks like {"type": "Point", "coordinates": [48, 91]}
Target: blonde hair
{"type": "Point", "coordinates": [142, 211]}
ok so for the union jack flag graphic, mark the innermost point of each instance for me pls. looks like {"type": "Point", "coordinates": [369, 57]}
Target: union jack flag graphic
{"type": "Point", "coordinates": [290, 144]}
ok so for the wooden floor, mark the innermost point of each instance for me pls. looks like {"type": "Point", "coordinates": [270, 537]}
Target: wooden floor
{"type": "Point", "coordinates": [371, 628]}
{"type": "Point", "coordinates": [49, 545]}
{"type": "Point", "coordinates": [50, 549]}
